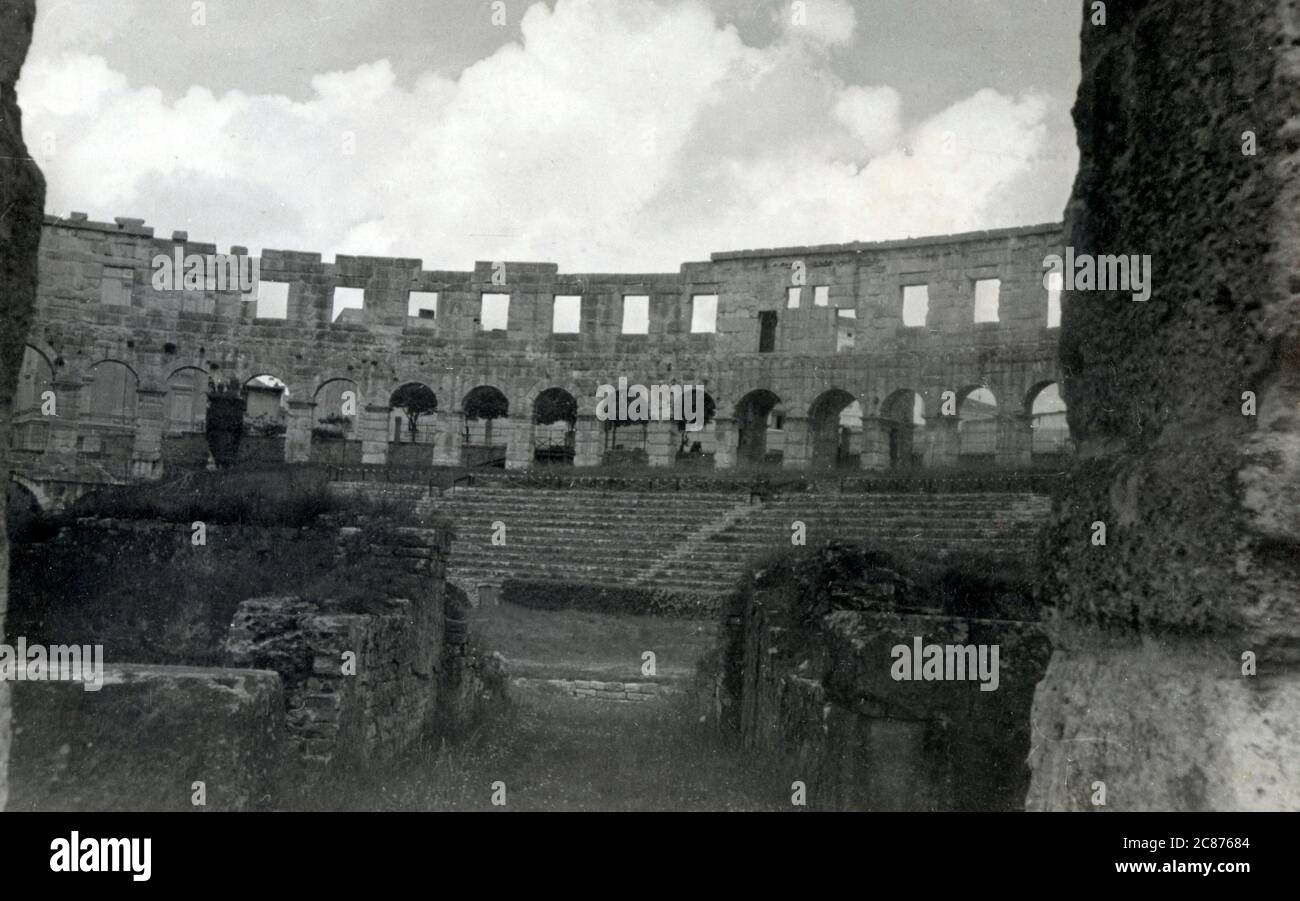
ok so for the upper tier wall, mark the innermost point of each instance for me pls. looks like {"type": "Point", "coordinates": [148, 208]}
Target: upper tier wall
{"type": "Point", "coordinates": [97, 302]}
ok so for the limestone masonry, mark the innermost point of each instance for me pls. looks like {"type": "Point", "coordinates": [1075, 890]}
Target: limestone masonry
{"type": "Point", "coordinates": [835, 356]}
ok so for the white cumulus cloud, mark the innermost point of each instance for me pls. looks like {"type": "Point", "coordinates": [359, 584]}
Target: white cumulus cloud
{"type": "Point", "coordinates": [612, 136]}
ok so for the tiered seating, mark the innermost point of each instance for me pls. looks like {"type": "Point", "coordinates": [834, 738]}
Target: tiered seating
{"type": "Point", "coordinates": [935, 526]}
{"type": "Point", "coordinates": [699, 542]}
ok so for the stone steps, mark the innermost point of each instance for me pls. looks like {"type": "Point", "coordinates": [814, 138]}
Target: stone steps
{"type": "Point", "coordinates": [699, 543]}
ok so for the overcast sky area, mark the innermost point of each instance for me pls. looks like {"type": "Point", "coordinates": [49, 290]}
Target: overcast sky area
{"type": "Point", "coordinates": [603, 135]}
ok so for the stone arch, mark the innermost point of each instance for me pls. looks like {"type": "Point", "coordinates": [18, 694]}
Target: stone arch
{"type": "Point", "coordinates": [30, 423]}
{"type": "Point", "coordinates": [412, 408]}
{"type": "Point", "coordinates": [110, 395]}
{"type": "Point", "coordinates": [266, 418]}
{"type": "Point", "coordinates": [834, 417]}
{"type": "Point", "coordinates": [335, 403]}
{"type": "Point", "coordinates": [555, 417]}
{"type": "Point", "coordinates": [26, 497]}
{"type": "Point", "coordinates": [1046, 410]}
{"type": "Point", "coordinates": [185, 406]}
{"type": "Point", "coordinates": [758, 414]}
{"type": "Point", "coordinates": [977, 423]}
{"type": "Point", "coordinates": [904, 413]}
{"type": "Point", "coordinates": [700, 445]}
{"type": "Point", "coordinates": [482, 406]}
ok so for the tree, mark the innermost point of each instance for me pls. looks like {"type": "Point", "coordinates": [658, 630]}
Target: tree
{"type": "Point", "coordinates": [414, 400]}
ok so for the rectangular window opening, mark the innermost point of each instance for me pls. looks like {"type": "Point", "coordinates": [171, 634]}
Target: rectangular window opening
{"type": "Point", "coordinates": [986, 299]}
{"type": "Point", "coordinates": [792, 298]}
{"type": "Point", "coordinates": [495, 313]}
{"type": "Point", "coordinates": [347, 299]}
{"type": "Point", "coordinates": [422, 305]}
{"type": "Point", "coordinates": [704, 314]}
{"type": "Point", "coordinates": [566, 317]}
{"type": "Point", "coordinates": [916, 305]}
{"type": "Point", "coordinates": [767, 332]}
{"type": "Point", "coordinates": [822, 296]}
{"type": "Point", "coordinates": [636, 314]}
{"type": "Point", "coordinates": [272, 300]}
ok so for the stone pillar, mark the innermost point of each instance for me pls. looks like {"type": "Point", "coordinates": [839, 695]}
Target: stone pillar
{"type": "Point", "coordinates": [297, 436]}
{"type": "Point", "coordinates": [1175, 672]}
{"type": "Point", "coordinates": [23, 188]}
{"type": "Point", "coordinates": [661, 443]}
{"type": "Point", "coordinates": [146, 453]}
{"type": "Point", "coordinates": [798, 443]}
{"type": "Point", "coordinates": [373, 430]}
{"type": "Point", "coordinates": [449, 440]}
{"type": "Point", "coordinates": [942, 442]}
{"type": "Point", "coordinates": [519, 441]}
{"type": "Point", "coordinates": [1015, 441]}
{"type": "Point", "coordinates": [727, 436]}
{"type": "Point", "coordinates": [875, 442]}
{"type": "Point", "coordinates": [588, 438]}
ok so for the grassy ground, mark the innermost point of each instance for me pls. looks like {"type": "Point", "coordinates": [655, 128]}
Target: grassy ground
{"type": "Point", "coordinates": [575, 644]}
{"type": "Point", "coordinates": [557, 753]}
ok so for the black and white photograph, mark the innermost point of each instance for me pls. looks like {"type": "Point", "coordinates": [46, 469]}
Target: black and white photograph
{"type": "Point", "coordinates": [419, 408]}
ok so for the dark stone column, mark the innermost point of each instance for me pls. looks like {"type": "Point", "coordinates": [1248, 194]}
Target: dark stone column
{"type": "Point", "coordinates": [22, 211]}
{"type": "Point", "coordinates": [1150, 690]}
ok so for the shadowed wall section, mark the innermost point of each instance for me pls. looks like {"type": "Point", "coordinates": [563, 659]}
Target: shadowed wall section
{"type": "Point", "coordinates": [22, 202]}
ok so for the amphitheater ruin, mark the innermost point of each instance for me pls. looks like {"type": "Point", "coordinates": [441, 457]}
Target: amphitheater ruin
{"type": "Point", "coordinates": [929, 352]}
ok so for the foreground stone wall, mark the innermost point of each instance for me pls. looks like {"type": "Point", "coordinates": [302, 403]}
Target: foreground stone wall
{"type": "Point", "coordinates": [22, 199]}
{"type": "Point", "coordinates": [1175, 677]}
{"type": "Point", "coordinates": [145, 738]}
{"type": "Point", "coordinates": [817, 688]}
{"type": "Point", "coordinates": [358, 687]}
{"type": "Point", "coordinates": [327, 685]}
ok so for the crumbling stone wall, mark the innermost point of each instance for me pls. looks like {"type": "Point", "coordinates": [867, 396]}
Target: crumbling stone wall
{"type": "Point", "coordinates": [22, 204]}
{"type": "Point", "coordinates": [365, 680]}
{"type": "Point", "coordinates": [1174, 680]}
{"type": "Point", "coordinates": [805, 671]}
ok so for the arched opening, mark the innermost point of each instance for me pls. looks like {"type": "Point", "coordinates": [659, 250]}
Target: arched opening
{"type": "Point", "coordinates": [904, 410]}
{"type": "Point", "coordinates": [186, 406]}
{"type": "Point", "coordinates": [483, 406]}
{"type": "Point", "coordinates": [266, 420]}
{"type": "Point", "coordinates": [760, 428]}
{"type": "Point", "coordinates": [698, 447]}
{"type": "Point", "coordinates": [185, 418]}
{"type": "Point", "coordinates": [834, 418]}
{"type": "Point", "coordinates": [1047, 419]}
{"type": "Point", "coordinates": [334, 436]}
{"type": "Point", "coordinates": [108, 421]}
{"type": "Point", "coordinates": [34, 403]}
{"type": "Point", "coordinates": [625, 442]}
{"type": "Point", "coordinates": [977, 427]}
{"type": "Point", "coordinates": [555, 417]}
{"type": "Point", "coordinates": [412, 431]}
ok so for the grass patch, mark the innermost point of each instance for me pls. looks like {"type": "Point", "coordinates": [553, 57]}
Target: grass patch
{"type": "Point", "coordinates": [562, 754]}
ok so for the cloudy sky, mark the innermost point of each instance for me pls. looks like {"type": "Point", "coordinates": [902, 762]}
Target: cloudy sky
{"type": "Point", "coordinates": [605, 135]}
